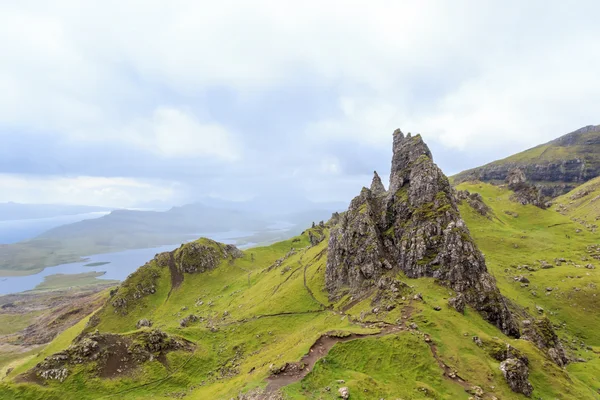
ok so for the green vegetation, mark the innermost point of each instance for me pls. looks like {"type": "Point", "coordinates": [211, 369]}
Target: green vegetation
{"type": "Point", "coordinates": [582, 204]}
{"type": "Point", "coordinates": [62, 281]}
{"type": "Point", "coordinates": [263, 310]}
{"type": "Point", "coordinates": [97, 264]}
{"type": "Point", "coordinates": [12, 323]}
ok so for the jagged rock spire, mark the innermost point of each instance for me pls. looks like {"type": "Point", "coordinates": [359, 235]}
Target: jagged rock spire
{"type": "Point", "coordinates": [376, 185]}
{"type": "Point", "coordinates": [406, 151]}
{"type": "Point", "coordinates": [415, 228]}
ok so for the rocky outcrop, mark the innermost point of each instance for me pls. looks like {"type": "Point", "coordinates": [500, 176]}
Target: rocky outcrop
{"type": "Point", "coordinates": [203, 255]}
{"type": "Point", "coordinates": [199, 256]}
{"type": "Point", "coordinates": [543, 335]}
{"type": "Point", "coordinates": [475, 201]}
{"type": "Point", "coordinates": [523, 192]}
{"type": "Point", "coordinates": [415, 227]}
{"type": "Point", "coordinates": [377, 187]}
{"type": "Point", "coordinates": [556, 167]}
{"type": "Point", "coordinates": [514, 363]}
{"type": "Point", "coordinates": [110, 354]}
{"type": "Point", "coordinates": [516, 374]}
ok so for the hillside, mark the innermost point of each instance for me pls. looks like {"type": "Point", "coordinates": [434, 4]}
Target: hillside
{"type": "Point", "coordinates": [390, 299]}
{"type": "Point", "coordinates": [581, 204]}
{"type": "Point", "coordinates": [556, 167]}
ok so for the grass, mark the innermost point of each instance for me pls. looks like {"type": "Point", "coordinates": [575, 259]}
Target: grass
{"type": "Point", "coordinates": [387, 367]}
{"type": "Point", "coordinates": [62, 281]}
{"type": "Point", "coordinates": [12, 323]}
{"type": "Point", "coordinates": [268, 308]}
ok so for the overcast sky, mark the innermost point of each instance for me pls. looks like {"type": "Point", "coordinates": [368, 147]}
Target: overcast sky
{"type": "Point", "coordinates": [123, 103]}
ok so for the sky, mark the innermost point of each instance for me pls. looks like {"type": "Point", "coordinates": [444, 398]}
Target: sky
{"type": "Point", "coordinates": [139, 103]}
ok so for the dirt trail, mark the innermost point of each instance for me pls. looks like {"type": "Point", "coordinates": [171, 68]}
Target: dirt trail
{"type": "Point", "coordinates": [296, 371]}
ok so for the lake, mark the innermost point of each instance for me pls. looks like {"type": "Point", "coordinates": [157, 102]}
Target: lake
{"type": "Point", "coordinates": [117, 265]}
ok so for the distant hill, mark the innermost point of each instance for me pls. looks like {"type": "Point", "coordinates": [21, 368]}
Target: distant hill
{"type": "Point", "coordinates": [133, 229]}
{"type": "Point", "coordinates": [15, 211]}
{"type": "Point", "coordinates": [555, 167]}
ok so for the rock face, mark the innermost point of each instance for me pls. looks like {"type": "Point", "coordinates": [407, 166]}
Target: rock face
{"type": "Point", "coordinates": [414, 227]}
{"type": "Point", "coordinates": [524, 193]}
{"type": "Point", "coordinates": [556, 167]}
{"type": "Point", "coordinates": [516, 374]}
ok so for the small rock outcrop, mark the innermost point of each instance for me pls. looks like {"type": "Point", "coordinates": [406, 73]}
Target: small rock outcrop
{"type": "Point", "coordinates": [475, 201]}
{"type": "Point", "coordinates": [110, 354]}
{"type": "Point", "coordinates": [377, 187]}
{"type": "Point", "coordinates": [524, 193]}
{"type": "Point", "coordinates": [542, 334]}
{"type": "Point", "coordinates": [516, 374]}
{"type": "Point", "coordinates": [414, 227]}
{"type": "Point", "coordinates": [143, 323]}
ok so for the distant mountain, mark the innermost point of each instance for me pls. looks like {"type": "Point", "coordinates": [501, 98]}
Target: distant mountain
{"type": "Point", "coordinates": [14, 211]}
{"type": "Point", "coordinates": [555, 167]}
{"type": "Point", "coordinates": [133, 229]}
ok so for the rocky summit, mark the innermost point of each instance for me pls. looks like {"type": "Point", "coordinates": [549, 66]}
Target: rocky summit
{"type": "Point", "coordinates": [414, 227]}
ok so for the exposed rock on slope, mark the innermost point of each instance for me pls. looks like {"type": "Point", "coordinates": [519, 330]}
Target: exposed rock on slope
{"type": "Point", "coordinates": [474, 200]}
{"type": "Point", "coordinates": [414, 227]}
{"type": "Point", "coordinates": [112, 354]}
{"type": "Point", "coordinates": [555, 167]}
{"type": "Point", "coordinates": [524, 193]}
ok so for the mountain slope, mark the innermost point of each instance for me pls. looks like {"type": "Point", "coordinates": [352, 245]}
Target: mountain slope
{"type": "Point", "coordinates": [556, 167]}
{"type": "Point", "coordinates": [582, 204]}
{"type": "Point", "coordinates": [207, 321]}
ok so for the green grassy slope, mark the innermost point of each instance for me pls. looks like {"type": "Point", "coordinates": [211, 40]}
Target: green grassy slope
{"type": "Point", "coordinates": [257, 314]}
{"type": "Point", "coordinates": [582, 204]}
{"type": "Point", "coordinates": [556, 166]}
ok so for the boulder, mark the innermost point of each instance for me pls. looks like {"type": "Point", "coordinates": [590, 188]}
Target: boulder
{"type": "Point", "coordinates": [516, 374]}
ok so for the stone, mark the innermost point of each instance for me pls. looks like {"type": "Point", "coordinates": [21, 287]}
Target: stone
{"type": "Point", "coordinates": [343, 393]}
{"type": "Point", "coordinates": [521, 279]}
{"type": "Point", "coordinates": [516, 374]}
{"type": "Point", "coordinates": [415, 228]}
{"type": "Point", "coordinates": [458, 303]}
{"type": "Point", "coordinates": [143, 323]}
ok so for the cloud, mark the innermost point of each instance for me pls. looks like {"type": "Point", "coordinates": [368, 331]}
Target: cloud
{"type": "Point", "coordinates": [109, 192]}
{"type": "Point", "coordinates": [238, 96]}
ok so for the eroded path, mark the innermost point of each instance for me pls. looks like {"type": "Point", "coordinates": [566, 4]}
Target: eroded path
{"type": "Point", "coordinates": [294, 372]}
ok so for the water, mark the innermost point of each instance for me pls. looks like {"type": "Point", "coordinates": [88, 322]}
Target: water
{"type": "Point", "coordinates": [120, 264]}
{"type": "Point", "coordinates": [13, 231]}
